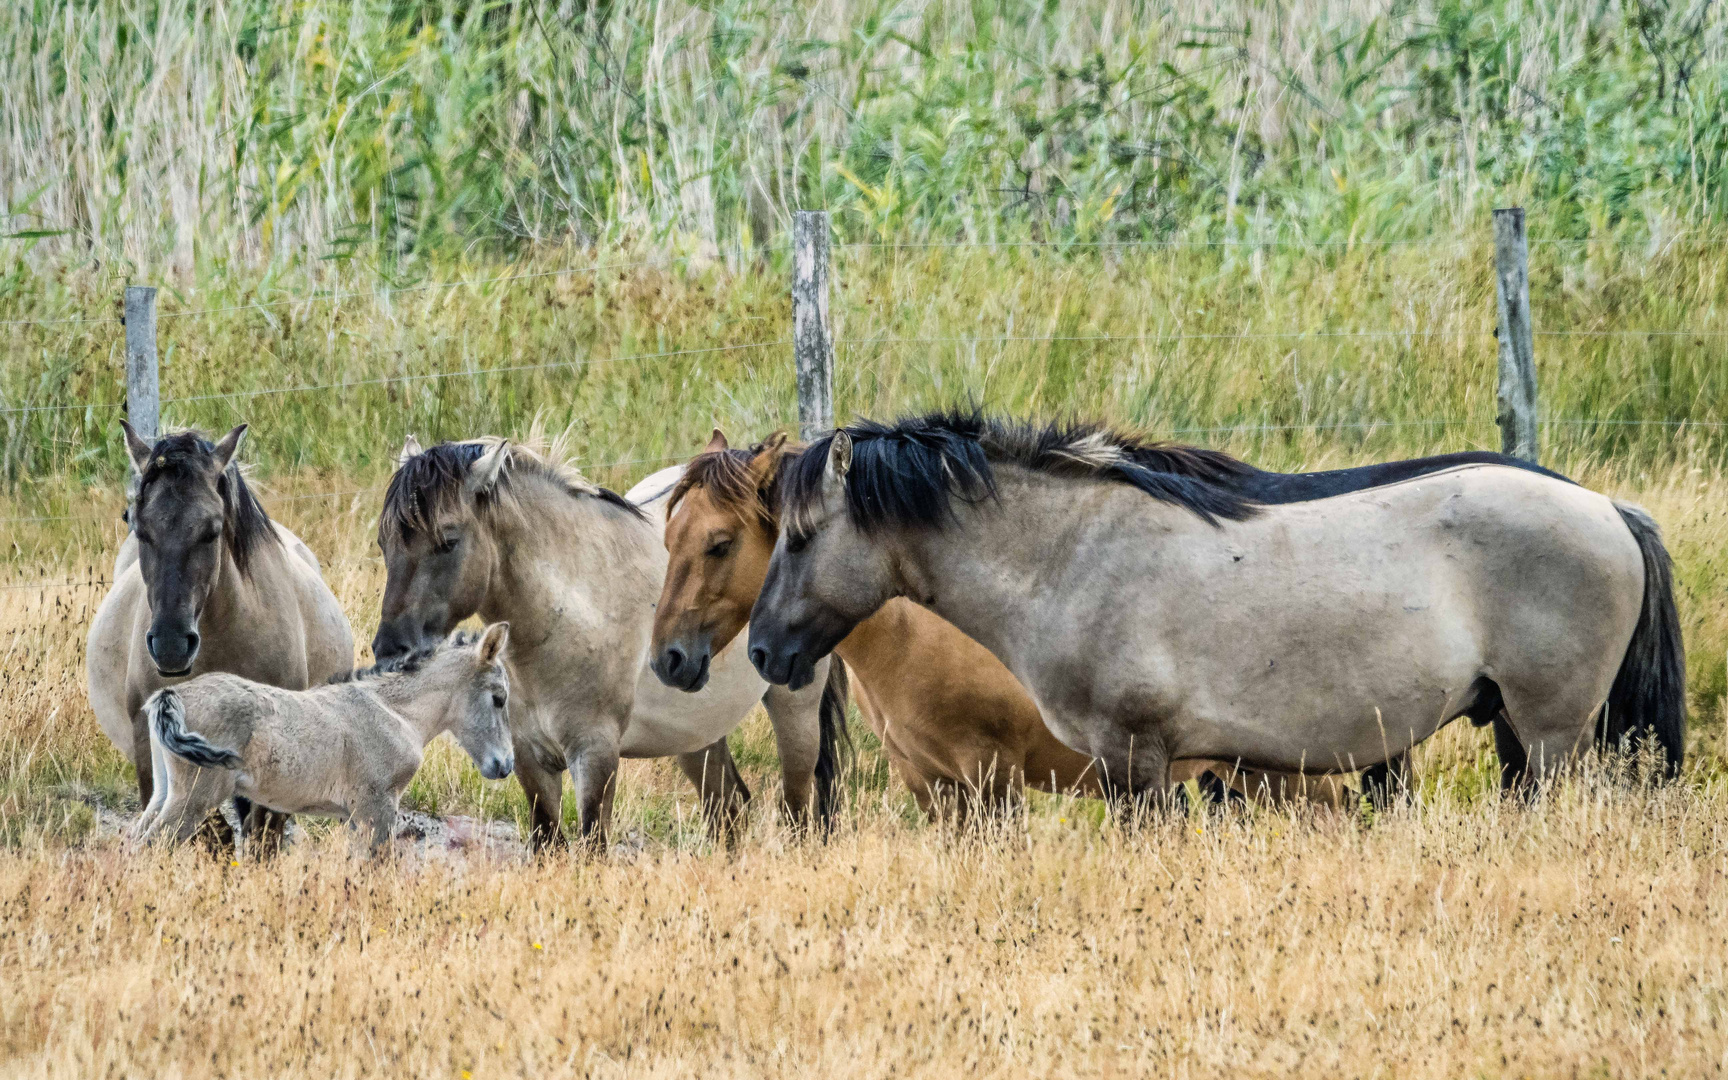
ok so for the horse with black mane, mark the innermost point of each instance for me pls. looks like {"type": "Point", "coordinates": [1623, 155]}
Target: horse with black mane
{"type": "Point", "coordinates": [206, 582]}
{"type": "Point", "coordinates": [1157, 612]}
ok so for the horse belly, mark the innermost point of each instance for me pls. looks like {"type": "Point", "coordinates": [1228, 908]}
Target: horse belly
{"type": "Point", "coordinates": [666, 721]}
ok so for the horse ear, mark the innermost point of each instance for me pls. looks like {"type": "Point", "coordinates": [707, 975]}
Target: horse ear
{"type": "Point", "coordinates": [716, 443]}
{"type": "Point", "coordinates": [410, 450]}
{"type": "Point", "coordinates": [492, 642]}
{"type": "Point", "coordinates": [226, 448]}
{"type": "Point", "coordinates": [136, 448]}
{"type": "Point", "coordinates": [483, 474]}
{"type": "Point", "coordinates": [768, 455]}
{"type": "Point", "coordinates": [840, 455]}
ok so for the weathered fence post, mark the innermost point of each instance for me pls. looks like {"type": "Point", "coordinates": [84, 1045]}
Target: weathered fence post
{"type": "Point", "coordinates": [1517, 395]}
{"type": "Point", "coordinates": [143, 400]}
{"type": "Point", "coordinates": [812, 343]}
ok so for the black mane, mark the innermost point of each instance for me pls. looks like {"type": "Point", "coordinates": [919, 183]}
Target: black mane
{"type": "Point", "coordinates": [431, 482]}
{"type": "Point", "coordinates": [187, 455]}
{"type": "Point", "coordinates": [406, 664]}
{"type": "Point", "coordinates": [908, 473]}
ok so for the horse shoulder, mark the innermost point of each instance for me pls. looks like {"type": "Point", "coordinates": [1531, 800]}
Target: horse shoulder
{"type": "Point", "coordinates": [108, 657]}
{"type": "Point", "coordinates": [329, 638]}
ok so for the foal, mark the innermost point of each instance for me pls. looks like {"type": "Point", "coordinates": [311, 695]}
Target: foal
{"type": "Point", "coordinates": [346, 749]}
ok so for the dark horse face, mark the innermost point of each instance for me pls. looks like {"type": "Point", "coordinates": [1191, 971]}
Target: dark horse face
{"type": "Point", "coordinates": [826, 577]}
{"type": "Point", "coordinates": [438, 553]}
{"type": "Point", "coordinates": [180, 514]}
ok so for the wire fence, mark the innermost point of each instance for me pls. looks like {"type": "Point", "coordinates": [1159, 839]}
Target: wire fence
{"type": "Point", "coordinates": [384, 294]}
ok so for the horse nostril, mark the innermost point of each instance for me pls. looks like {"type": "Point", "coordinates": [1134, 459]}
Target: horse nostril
{"type": "Point", "coordinates": [192, 641]}
{"type": "Point", "coordinates": [759, 657]}
{"type": "Point", "coordinates": [674, 660]}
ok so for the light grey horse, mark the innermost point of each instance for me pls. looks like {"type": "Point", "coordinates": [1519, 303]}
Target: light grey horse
{"type": "Point", "coordinates": [206, 582]}
{"type": "Point", "coordinates": [510, 532]}
{"type": "Point", "coordinates": [1155, 616]}
{"type": "Point", "coordinates": [346, 749]}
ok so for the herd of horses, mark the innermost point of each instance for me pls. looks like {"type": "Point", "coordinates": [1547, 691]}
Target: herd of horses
{"type": "Point", "coordinates": [1012, 605]}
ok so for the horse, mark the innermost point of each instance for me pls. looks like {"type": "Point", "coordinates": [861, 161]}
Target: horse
{"type": "Point", "coordinates": [205, 582]}
{"type": "Point", "coordinates": [512, 531]}
{"type": "Point", "coordinates": [1155, 615]}
{"type": "Point", "coordinates": [952, 720]}
{"type": "Point", "coordinates": [346, 749]}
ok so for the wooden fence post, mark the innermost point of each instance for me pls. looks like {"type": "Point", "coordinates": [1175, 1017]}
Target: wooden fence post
{"type": "Point", "coordinates": [1517, 397]}
{"type": "Point", "coordinates": [812, 343]}
{"type": "Point", "coordinates": [143, 388]}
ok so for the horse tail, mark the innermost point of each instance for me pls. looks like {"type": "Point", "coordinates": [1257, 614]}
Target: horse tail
{"type": "Point", "coordinates": [1648, 699]}
{"type": "Point", "coordinates": [835, 746]}
{"type": "Point", "coordinates": [166, 714]}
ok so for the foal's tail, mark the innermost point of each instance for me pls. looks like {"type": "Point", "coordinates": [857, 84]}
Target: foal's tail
{"type": "Point", "coordinates": [835, 747]}
{"type": "Point", "coordinates": [166, 714]}
{"type": "Point", "coordinates": [1648, 700]}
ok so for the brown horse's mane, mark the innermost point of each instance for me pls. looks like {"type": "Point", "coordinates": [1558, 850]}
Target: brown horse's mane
{"type": "Point", "coordinates": [729, 481]}
{"type": "Point", "coordinates": [185, 455]}
{"type": "Point", "coordinates": [431, 483]}
{"type": "Point", "coordinates": [907, 473]}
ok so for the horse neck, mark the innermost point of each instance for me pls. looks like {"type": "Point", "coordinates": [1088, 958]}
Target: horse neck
{"type": "Point", "coordinates": [552, 544]}
{"type": "Point", "coordinates": [987, 572]}
{"type": "Point", "coordinates": [234, 600]}
{"type": "Point", "coordinates": [422, 699]}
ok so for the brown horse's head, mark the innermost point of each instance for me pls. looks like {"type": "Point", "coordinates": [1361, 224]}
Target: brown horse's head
{"type": "Point", "coordinates": [189, 504]}
{"type": "Point", "coordinates": [720, 529]}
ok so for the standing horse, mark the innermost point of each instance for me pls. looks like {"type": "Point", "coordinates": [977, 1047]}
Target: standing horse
{"type": "Point", "coordinates": [206, 582]}
{"type": "Point", "coordinates": [1155, 616]}
{"type": "Point", "coordinates": [495, 528]}
{"type": "Point", "coordinates": [951, 718]}
{"type": "Point", "coordinates": [346, 749]}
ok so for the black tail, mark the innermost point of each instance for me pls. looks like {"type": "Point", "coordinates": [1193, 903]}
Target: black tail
{"type": "Point", "coordinates": [166, 714]}
{"type": "Point", "coordinates": [1648, 700]}
{"type": "Point", "coordinates": [835, 747]}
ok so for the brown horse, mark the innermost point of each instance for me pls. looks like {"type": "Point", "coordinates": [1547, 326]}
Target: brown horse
{"type": "Point", "coordinates": [955, 724]}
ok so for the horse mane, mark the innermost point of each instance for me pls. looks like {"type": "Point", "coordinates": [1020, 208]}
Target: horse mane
{"type": "Point", "coordinates": [431, 483]}
{"type": "Point", "coordinates": [726, 476]}
{"type": "Point", "coordinates": [406, 664]}
{"type": "Point", "coordinates": [245, 525]}
{"type": "Point", "coordinates": [907, 473]}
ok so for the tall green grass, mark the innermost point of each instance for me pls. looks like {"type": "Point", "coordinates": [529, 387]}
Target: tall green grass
{"type": "Point", "coordinates": [196, 135]}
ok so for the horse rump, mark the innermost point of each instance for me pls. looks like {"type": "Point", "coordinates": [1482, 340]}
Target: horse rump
{"type": "Point", "coordinates": [166, 714]}
{"type": "Point", "coordinates": [1648, 699]}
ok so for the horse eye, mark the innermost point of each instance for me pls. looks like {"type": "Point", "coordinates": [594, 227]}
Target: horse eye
{"type": "Point", "coordinates": [497, 701]}
{"type": "Point", "coordinates": [797, 543]}
{"type": "Point", "coordinates": [448, 544]}
{"type": "Point", "coordinates": [720, 549]}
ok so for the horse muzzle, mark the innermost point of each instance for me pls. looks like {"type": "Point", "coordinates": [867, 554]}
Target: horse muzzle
{"type": "Point", "coordinates": [498, 766]}
{"type": "Point", "coordinates": [683, 667]}
{"type": "Point", "coordinates": [172, 650]}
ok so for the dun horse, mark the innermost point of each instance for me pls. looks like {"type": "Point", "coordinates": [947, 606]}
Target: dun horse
{"type": "Point", "coordinates": [951, 718]}
{"type": "Point", "coordinates": [1156, 615]}
{"type": "Point", "coordinates": [347, 749]}
{"type": "Point", "coordinates": [495, 528]}
{"type": "Point", "coordinates": [206, 582]}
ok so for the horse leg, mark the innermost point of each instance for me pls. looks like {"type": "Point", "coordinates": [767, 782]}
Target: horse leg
{"type": "Point", "coordinates": [264, 830]}
{"type": "Point", "coordinates": [545, 790]}
{"type": "Point", "coordinates": [1388, 781]}
{"type": "Point", "coordinates": [142, 757]}
{"type": "Point", "coordinates": [721, 787]}
{"type": "Point", "coordinates": [1134, 772]}
{"type": "Point", "coordinates": [374, 820]}
{"type": "Point", "coordinates": [189, 804]}
{"type": "Point", "coordinates": [594, 769]}
{"type": "Point", "coordinates": [1514, 762]}
{"type": "Point", "coordinates": [798, 738]}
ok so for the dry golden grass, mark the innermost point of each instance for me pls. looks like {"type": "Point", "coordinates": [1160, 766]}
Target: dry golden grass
{"type": "Point", "coordinates": [1581, 937]}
